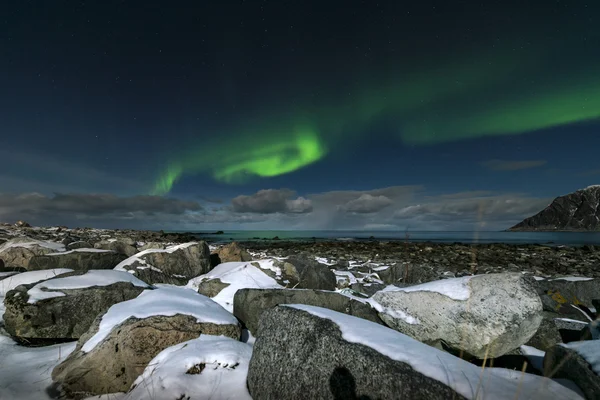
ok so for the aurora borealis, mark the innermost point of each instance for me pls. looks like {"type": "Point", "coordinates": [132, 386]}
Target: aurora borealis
{"type": "Point", "coordinates": [299, 102]}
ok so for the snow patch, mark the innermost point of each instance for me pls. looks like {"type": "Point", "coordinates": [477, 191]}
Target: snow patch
{"type": "Point", "coordinates": [220, 365]}
{"type": "Point", "coordinates": [24, 242]}
{"type": "Point", "coordinates": [573, 279]}
{"type": "Point", "coordinates": [165, 301]}
{"type": "Point", "coordinates": [30, 277]}
{"type": "Point", "coordinates": [535, 357]}
{"type": "Point", "coordinates": [25, 371]}
{"type": "Point", "coordinates": [589, 350]}
{"type": "Point", "coordinates": [467, 379]}
{"type": "Point", "coordinates": [239, 275]}
{"type": "Point", "coordinates": [454, 288]}
{"type": "Point", "coordinates": [51, 288]}
{"type": "Point", "coordinates": [84, 250]}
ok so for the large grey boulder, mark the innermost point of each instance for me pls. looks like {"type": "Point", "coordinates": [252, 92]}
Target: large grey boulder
{"type": "Point", "coordinates": [249, 304]}
{"type": "Point", "coordinates": [119, 345]}
{"type": "Point", "coordinates": [118, 246]}
{"type": "Point", "coordinates": [480, 316]}
{"type": "Point", "coordinates": [314, 353]}
{"type": "Point", "coordinates": [559, 294]}
{"type": "Point", "coordinates": [302, 272]}
{"type": "Point", "coordinates": [17, 253]}
{"type": "Point", "coordinates": [578, 362]}
{"type": "Point", "coordinates": [175, 264]}
{"type": "Point", "coordinates": [65, 307]}
{"type": "Point", "coordinates": [79, 259]}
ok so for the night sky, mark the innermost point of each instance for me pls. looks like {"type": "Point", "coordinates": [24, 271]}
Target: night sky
{"type": "Point", "coordinates": [376, 115]}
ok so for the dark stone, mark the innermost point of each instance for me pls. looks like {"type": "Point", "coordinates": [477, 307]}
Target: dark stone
{"type": "Point", "coordinates": [249, 304]}
{"type": "Point", "coordinates": [566, 363]}
{"type": "Point", "coordinates": [77, 260]}
{"type": "Point", "coordinates": [298, 355]}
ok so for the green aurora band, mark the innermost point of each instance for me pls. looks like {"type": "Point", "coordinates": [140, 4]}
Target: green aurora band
{"type": "Point", "coordinates": [487, 96]}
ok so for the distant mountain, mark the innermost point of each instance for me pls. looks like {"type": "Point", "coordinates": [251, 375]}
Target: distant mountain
{"type": "Point", "coordinates": [578, 211]}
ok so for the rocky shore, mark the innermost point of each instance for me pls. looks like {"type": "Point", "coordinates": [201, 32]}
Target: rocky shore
{"type": "Point", "coordinates": [447, 259]}
{"type": "Point", "coordinates": [123, 312]}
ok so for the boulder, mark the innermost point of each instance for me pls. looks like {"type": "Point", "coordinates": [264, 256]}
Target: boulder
{"type": "Point", "coordinates": [175, 264]}
{"type": "Point", "coordinates": [558, 294]}
{"type": "Point", "coordinates": [480, 316]}
{"type": "Point", "coordinates": [547, 335]}
{"type": "Point", "coordinates": [227, 278]}
{"type": "Point", "coordinates": [117, 246]}
{"type": "Point", "coordinates": [578, 362]}
{"type": "Point", "coordinates": [119, 345]}
{"type": "Point", "coordinates": [25, 278]}
{"type": "Point", "coordinates": [65, 307]}
{"type": "Point", "coordinates": [211, 287]}
{"type": "Point", "coordinates": [249, 304]}
{"type": "Point", "coordinates": [302, 272]}
{"type": "Point", "coordinates": [232, 252]}
{"type": "Point", "coordinates": [17, 253]}
{"type": "Point", "coordinates": [314, 353]}
{"type": "Point", "coordinates": [210, 367]}
{"type": "Point", "coordinates": [79, 259]}
{"type": "Point", "coordinates": [79, 244]}
{"type": "Point", "coordinates": [408, 273]}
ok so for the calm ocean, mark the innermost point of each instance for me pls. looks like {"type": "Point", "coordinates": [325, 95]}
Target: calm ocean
{"type": "Point", "coordinates": [551, 238]}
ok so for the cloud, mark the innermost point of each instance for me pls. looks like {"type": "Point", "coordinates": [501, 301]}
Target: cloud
{"type": "Point", "coordinates": [270, 201]}
{"type": "Point", "coordinates": [63, 208]}
{"type": "Point", "coordinates": [512, 165]}
{"type": "Point", "coordinates": [494, 210]}
{"type": "Point", "coordinates": [367, 203]}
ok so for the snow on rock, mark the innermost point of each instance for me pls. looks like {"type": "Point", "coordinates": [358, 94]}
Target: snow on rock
{"type": "Point", "coordinates": [51, 288]}
{"type": "Point", "coordinates": [465, 378]}
{"type": "Point", "coordinates": [26, 278]}
{"type": "Point", "coordinates": [455, 288]}
{"type": "Point", "coordinates": [25, 371]}
{"type": "Point", "coordinates": [535, 357]}
{"type": "Point", "coordinates": [484, 315]}
{"type": "Point", "coordinates": [573, 279]}
{"type": "Point", "coordinates": [238, 275]}
{"type": "Point", "coordinates": [29, 243]}
{"type": "Point", "coordinates": [210, 367]}
{"type": "Point", "coordinates": [82, 250]}
{"type": "Point", "coordinates": [589, 350]}
{"type": "Point", "coordinates": [164, 301]}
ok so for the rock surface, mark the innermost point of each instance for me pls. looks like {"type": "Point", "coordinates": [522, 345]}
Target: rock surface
{"type": "Point", "coordinates": [174, 265]}
{"type": "Point", "coordinates": [559, 294]}
{"type": "Point", "coordinates": [71, 313]}
{"type": "Point", "coordinates": [304, 272]}
{"type": "Point", "coordinates": [80, 259]}
{"type": "Point", "coordinates": [232, 252]}
{"type": "Point", "coordinates": [118, 246]}
{"type": "Point", "coordinates": [577, 211]}
{"type": "Point", "coordinates": [249, 304]}
{"type": "Point", "coordinates": [481, 316]}
{"type": "Point", "coordinates": [300, 352]}
{"type": "Point", "coordinates": [119, 345]}
{"type": "Point", "coordinates": [567, 362]}
{"type": "Point", "coordinates": [17, 253]}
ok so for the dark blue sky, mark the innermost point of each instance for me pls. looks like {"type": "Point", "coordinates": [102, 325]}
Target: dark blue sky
{"type": "Point", "coordinates": [296, 114]}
